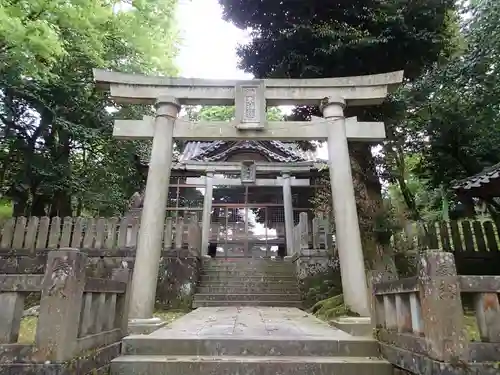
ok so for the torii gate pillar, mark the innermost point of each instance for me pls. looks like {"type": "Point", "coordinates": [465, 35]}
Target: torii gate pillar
{"type": "Point", "coordinates": [347, 233]}
{"type": "Point", "coordinates": [153, 213]}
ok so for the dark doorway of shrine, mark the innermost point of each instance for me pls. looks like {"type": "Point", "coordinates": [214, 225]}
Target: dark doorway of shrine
{"type": "Point", "coordinates": [247, 221]}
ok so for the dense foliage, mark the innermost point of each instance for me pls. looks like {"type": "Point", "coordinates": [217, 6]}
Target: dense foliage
{"type": "Point", "coordinates": [57, 155]}
{"type": "Point", "coordinates": [450, 116]}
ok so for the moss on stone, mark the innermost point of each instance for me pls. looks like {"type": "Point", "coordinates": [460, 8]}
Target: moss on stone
{"type": "Point", "coordinates": [331, 308]}
{"type": "Point", "coordinates": [27, 330]}
{"type": "Point", "coordinates": [316, 288]}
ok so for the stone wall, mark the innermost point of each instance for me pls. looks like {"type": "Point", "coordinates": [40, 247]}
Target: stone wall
{"type": "Point", "coordinates": [318, 272]}
{"type": "Point", "coordinates": [177, 281]}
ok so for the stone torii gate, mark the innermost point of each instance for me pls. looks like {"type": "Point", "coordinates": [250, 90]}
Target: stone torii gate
{"type": "Point", "coordinates": [251, 98]}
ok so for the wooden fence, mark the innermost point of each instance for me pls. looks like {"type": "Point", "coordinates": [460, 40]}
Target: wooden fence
{"type": "Point", "coordinates": [475, 244]}
{"type": "Point", "coordinates": [452, 236]}
{"type": "Point", "coordinates": [77, 315]}
{"type": "Point", "coordinates": [91, 233]}
{"type": "Point", "coordinates": [420, 320]}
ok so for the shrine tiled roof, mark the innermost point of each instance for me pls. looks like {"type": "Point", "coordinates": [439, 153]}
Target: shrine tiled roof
{"type": "Point", "coordinates": [218, 150]}
{"type": "Point", "coordinates": [481, 179]}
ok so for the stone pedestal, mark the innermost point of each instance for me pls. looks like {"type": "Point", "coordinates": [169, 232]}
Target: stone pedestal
{"type": "Point", "coordinates": [344, 207]}
{"type": "Point", "coordinates": [153, 213]}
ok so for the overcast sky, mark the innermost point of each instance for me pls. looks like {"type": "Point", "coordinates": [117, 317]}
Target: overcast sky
{"type": "Point", "coordinates": [208, 49]}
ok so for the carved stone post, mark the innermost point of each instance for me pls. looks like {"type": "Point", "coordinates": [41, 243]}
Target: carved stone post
{"type": "Point", "coordinates": [442, 311]}
{"type": "Point", "coordinates": [61, 304]}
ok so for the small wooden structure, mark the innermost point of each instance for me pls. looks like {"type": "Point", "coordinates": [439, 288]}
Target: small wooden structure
{"type": "Point", "coordinates": [484, 185]}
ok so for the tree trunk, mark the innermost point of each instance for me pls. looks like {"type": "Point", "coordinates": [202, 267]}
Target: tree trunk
{"type": "Point", "coordinates": [61, 204]}
{"type": "Point", "coordinates": [39, 205]}
{"type": "Point", "coordinates": [368, 190]}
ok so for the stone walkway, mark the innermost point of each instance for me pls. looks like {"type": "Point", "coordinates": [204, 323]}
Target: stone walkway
{"type": "Point", "coordinates": [234, 340]}
{"type": "Point", "coordinates": [250, 322]}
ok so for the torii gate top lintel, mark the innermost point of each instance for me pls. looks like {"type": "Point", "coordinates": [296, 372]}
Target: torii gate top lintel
{"type": "Point", "coordinates": [356, 90]}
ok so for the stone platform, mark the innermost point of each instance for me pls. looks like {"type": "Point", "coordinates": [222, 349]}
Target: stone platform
{"type": "Point", "coordinates": [249, 341]}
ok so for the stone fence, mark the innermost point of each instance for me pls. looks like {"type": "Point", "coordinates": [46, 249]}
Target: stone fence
{"type": "Point", "coordinates": [108, 243]}
{"type": "Point", "coordinates": [420, 321]}
{"type": "Point", "coordinates": [81, 319]}
{"type": "Point", "coordinates": [315, 258]}
{"type": "Point", "coordinates": [318, 237]}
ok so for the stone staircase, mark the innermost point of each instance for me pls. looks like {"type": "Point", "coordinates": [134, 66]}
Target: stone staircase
{"type": "Point", "coordinates": [247, 282]}
{"type": "Point", "coordinates": [249, 341]}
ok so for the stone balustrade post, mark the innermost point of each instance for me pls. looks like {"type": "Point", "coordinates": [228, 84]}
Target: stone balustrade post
{"type": "Point", "coordinates": [194, 236]}
{"type": "Point", "coordinates": [442, 311]}
{"type": "Point", "coordinates": [304, 232]}
{"type": "Point", "coordinates": [61, 304]}
{"type": "Point", "coordinates": [123, 300]}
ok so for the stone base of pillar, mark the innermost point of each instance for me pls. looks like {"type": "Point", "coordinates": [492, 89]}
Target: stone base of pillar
{"type": "Point", "coordinates": [361, 326]}
{"type": "Point", "coordinates": [144, 326]}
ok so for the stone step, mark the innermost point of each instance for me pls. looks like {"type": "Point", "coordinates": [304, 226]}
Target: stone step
{"type": "Point", "coordinates": [232, 365]}
{"type": "Point", "coordinates": [229, 278]}
{"type": "Point", "coordinates": [270, 266]}
{"type": "Point", "coordinates": [245, 274]}
{"type": "Point", "coordinates": [253, 283]}
{"type": "Point", "coordinates": [271, 303]}
{"type": "Point", "coordinates": [248, 263]}
{"type": "Point", "coordinates": [244, 289]}
{"type": "Point", "coordinates": [249, 269]}
{"type": "Point", "coordinates": [222, 259]}
{"type": "Point", "coordinates": [354, 326]}
{"type": "Point", "coordinates": [235, 346]}
{"type": "Point", "coordinates": [247, 297]}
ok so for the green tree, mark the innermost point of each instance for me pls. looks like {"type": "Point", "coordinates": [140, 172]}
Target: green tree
{"type": "Point", "coordinates": [58, 156]}
{"type": "Point", "coordinates": [452, 112]}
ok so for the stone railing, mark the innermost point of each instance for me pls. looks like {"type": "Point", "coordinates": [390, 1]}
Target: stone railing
{"type": "Point", "coordinates": [307, 238]}
{"type": "Point", "coordinates": [81, 320]}
{"type": "Point", "coordinates": [420, 321]}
